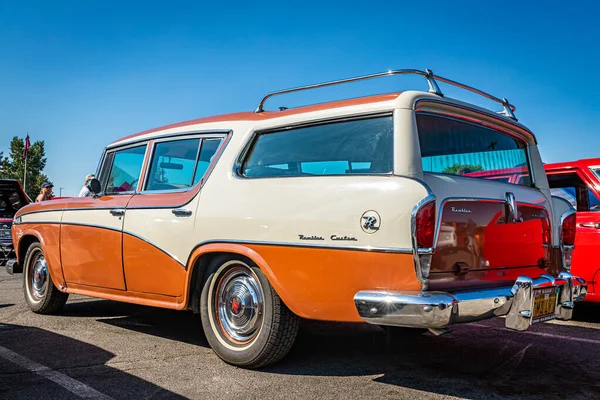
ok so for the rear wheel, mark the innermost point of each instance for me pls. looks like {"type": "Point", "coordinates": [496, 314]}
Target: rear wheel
{"type": "Point", "coordinates": [41, 295]}
{"type": "Point", "coordinates": [244, 320]}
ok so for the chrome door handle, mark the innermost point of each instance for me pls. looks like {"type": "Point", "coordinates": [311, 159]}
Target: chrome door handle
{"type": "Point", "coordinates": [181, 212]}
{"type": "Point", "coordinates": [117, 212]}
{"type": "Point", "coordinates": [595, 225]}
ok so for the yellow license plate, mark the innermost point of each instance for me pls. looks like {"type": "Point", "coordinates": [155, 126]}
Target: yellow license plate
{"type": "Point", "coordinates": [544, 304]}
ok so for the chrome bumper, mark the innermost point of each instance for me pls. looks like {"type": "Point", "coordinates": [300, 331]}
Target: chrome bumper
{"type": "Point", "coordinates": [439, 309]}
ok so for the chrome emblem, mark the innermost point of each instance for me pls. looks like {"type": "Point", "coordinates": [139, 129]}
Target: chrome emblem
{"type": "Point", "coordinates": [461, 210]}
{"type": "Point", "coordinates": [370, 221]}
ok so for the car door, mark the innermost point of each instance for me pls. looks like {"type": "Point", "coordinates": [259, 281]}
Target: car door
{"type": "Point", "coordinates": [92, 227]}
{"type": "Point", "coordinates": [575, 187]}
{"type": "Point", "coordinates": [158, 233]}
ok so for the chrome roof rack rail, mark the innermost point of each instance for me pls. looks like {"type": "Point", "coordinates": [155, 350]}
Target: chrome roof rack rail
{"type": "Point", "coordinates": [508, 109]}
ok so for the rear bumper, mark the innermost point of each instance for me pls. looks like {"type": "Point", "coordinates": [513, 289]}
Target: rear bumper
{"type": "Point", "coordinates": [441, 309]}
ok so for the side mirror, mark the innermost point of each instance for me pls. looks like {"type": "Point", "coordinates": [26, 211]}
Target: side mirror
{"type": "Point", "coordinates": [95, 186]}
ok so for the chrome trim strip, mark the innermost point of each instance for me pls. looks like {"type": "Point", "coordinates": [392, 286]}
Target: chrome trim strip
{"type": "Point", "coordinates": [397, 250]}
{"type": "Point", "coordinates": [249, 143]}
{"type": "Point", "coordinates": [416, 251]}
{"type": "Point", "coordinates": [166, 135]}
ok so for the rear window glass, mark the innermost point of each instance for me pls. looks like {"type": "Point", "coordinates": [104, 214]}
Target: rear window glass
{"type": "Point", "coordinates": [455, 147]}
{"type": "Point", "coordinates": [341, 148]}
{"type": "Point", "coordinates": [596, 171]}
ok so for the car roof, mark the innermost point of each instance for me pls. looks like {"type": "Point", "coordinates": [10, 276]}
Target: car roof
{"type": "Point", "coordinates": [266, 115]}
{"type": "Point", "coordinates": [581, 163]}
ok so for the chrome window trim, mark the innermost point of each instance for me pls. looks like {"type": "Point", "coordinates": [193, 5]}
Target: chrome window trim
{"type": "Point", "coordinates": [563, 247]}
{"type": "Point", "coordinates": [114, 150]}
{"type": "Point", "coordinates": [458, 117]}
{"type": "Point", "coordinates": [416, 251]}
{"type": "Point", "coordinates": [209, 134]}
{"type": "Point", "coordinates": [158, 136]}
{"type": "Point", "coordinates": [595, 170]}
{"type": "Point", "coordinates": [248, 144]}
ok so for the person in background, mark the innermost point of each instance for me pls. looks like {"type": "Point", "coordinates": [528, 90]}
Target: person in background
{"type": "Point", "coordinates": [86, 190]}
{"type": "Point", "coordinates": [45, 192]}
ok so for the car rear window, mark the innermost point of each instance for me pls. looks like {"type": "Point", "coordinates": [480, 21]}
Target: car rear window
{"type": "Point", "coordinates": [361, 146]}
{"type": "Point", "coordinates": [455, 147]}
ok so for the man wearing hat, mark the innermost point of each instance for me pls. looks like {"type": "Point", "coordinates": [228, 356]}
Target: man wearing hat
{"type": "Point", "coordinates": [86, 189]}
{"type": "Point", "coordinates": [45, 192]}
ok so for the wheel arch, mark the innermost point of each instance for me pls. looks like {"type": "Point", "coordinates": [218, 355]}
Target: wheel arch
{"type": "Point", "coordinates": [27, 238]}
{"type": "Point", "coordinates": [200, 259]}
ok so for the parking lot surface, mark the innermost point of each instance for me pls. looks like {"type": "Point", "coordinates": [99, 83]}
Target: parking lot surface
{"type": "Point", "coordinates": [104, 349]}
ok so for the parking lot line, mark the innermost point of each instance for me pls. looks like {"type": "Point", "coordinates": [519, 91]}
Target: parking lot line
{"type": "Point", "coordinates": [72, 385]}
{"type": "Point", "coordinates": [548, 335]}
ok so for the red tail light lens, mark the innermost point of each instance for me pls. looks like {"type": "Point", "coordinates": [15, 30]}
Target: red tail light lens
{"type": "Point", "coordinates": [426, 225]}
{"type": "Point", "coordinates": [545, 231]}
{"type": "Point", "coordinates": [568, 230]}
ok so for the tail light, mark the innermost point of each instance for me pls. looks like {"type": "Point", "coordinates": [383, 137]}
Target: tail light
{"type": "Point", "coordinates": [426, 225]}
{"type": "Point", "coordinates": [568, 230]}
{"type": "Point", "coordinates": [545, 231]}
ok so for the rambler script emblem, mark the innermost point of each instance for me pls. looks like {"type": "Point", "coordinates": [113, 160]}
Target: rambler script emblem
{"type": "Point", "coordinates": [370, 222]}
{"type": "Point", "coordinates": [461, 210]}
{"type": "Point", "coordinates": [313, 237]}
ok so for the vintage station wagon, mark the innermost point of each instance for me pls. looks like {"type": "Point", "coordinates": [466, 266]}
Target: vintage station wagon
{"type": "Point", "coordinates": [579, 183]}
{"type": "Point", "coordinates": [355, 210]}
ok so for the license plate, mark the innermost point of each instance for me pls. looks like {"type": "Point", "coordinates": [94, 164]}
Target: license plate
{"type": "Point", "coordinates": [544, 304]}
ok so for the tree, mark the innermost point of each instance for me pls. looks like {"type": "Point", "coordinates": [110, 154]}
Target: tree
{"type": "Point", "coordinates": [12, 167]}
{"type": "Point", "coordinates": [459, 169]}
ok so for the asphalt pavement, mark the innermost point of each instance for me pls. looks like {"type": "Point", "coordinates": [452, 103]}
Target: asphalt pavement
{"type": "Point", "coordinates": [107, 350]}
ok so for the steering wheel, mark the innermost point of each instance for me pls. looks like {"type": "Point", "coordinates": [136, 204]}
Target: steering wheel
{"type": "Point", "coordinates": [133, 185]}
{"type": "Point", "coordinates": [596, 207]}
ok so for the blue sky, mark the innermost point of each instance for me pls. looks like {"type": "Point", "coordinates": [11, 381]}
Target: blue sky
{"type": "Point", "coordinates": [81, 74]}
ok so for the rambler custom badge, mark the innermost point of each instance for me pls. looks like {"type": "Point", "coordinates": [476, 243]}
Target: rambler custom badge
{"type": "Point", "coordinates": [370, 222]}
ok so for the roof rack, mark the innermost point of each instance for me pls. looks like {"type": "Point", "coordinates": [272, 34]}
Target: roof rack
{"type": "Point", "coordinates": [508, 109]}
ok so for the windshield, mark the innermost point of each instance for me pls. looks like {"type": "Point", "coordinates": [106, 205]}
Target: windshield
{"type": "Point", "coordinates": [11, 198]}
{"type": "Point", "coordinates": [596, 171]}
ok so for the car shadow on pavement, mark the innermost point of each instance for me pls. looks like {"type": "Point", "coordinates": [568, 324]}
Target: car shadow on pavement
{"type": "Point", "coordinates": [480, 360]}
{"type": "Point", "coordinates": [169, 324]}
{"type": "Point", "coordinates": [38, 364]}
{"type": "Point", "coordinates": [587, 312]}
{"type": "Point", "coordinates": [472, 361]}
{"type": "Point", "coordinates": [6, 305]}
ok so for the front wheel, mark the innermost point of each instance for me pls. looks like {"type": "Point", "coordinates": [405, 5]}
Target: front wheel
{"type": "Point", "coordinates": [245, 322]}
{"type": "Point", "coordinates": [41, 295]}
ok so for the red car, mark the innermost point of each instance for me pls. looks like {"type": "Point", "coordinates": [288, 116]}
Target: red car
{"type": "Point", "coordinates": [579, 183]}
{"type": "Point", "coordinates": [12, 198]}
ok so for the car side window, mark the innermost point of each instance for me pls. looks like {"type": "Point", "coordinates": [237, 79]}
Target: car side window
{"type": "Point", "coordinates": [125, 167]}
{"type": "Point", "coordinates": [207, 152]}
{"type": "Point", "coordinates": [571, 187]}
{"type": "Point", "coordinates": [173, 164]}
{"type": "Point", "coordinates": [180, 164]}
{"type": "Point", "coordinates": [362, 146]}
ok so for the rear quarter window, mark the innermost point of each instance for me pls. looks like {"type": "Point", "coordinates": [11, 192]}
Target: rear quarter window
{"type": "Point", "coordinates": [362, 146]}
{"type": "Point", "coordinates": [455, 147]}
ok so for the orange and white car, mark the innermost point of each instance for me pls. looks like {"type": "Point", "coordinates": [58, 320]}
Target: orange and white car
{"type": "Point", "coordinates": [344, 211]}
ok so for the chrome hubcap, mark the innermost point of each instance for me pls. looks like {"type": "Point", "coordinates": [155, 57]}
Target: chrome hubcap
{"type": "Point", "coordinates": [240, 304]}
{"type": "Point", "coordinates": [39, 276]}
